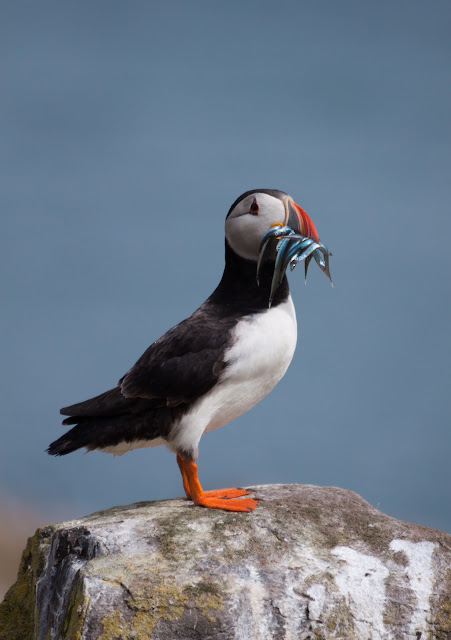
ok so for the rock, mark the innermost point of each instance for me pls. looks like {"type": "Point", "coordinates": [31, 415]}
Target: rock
{"type": "Point", "coordinates": [309, 563]}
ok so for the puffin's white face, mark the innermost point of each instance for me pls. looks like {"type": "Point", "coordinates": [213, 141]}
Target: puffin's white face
{"type": "Point", "coordinates": [250, 219]}
{"type": "Point", "coordinates": [254, 215]}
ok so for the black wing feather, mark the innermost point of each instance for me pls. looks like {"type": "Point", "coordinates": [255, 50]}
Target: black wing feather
{"type": "Point", "coordinates": [175, 370]}
{"type": "Point", "coordinates": [183, 364]}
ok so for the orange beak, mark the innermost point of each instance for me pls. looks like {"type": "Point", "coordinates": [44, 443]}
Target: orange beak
{"type": "Point", "coordinates": [299, 220]}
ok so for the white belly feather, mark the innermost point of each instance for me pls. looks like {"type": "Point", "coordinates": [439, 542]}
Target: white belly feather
{"type": "Point", "coordinates": [262, 348]}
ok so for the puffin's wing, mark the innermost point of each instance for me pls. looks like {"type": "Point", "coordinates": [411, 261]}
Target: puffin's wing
{"type": "Point", "coordinates": [182, 365]}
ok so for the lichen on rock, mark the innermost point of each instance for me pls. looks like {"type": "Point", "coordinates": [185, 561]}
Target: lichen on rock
{"type": "Point", "coordinates": [17, 611]}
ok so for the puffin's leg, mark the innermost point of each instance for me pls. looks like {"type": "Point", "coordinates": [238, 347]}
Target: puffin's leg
{"type": "Point", "coordinates": [184, 478]}
{"type": "Point", "coordinates": [213, 499]}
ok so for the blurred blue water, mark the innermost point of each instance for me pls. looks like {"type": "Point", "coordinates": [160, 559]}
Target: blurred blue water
{"type": "Point", "coordinates": [127, 131]}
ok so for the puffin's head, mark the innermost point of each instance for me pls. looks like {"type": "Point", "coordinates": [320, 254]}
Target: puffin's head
{"type": "Point", "coordinates": [253, 214]}
{"type": "Point", "coordinates": [267, 225]}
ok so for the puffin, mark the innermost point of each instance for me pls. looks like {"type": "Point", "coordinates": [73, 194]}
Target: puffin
{"type": "Point", "coordinates": [213, 366]}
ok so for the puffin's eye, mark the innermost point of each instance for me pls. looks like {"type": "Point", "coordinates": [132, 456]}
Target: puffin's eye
{"type": "Point", "coordinates": [254, 207]}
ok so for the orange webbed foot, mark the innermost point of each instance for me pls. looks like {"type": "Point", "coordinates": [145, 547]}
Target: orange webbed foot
{"type": "Point", "coordinates": [244, 504]}
{"type": "Point", "coordinates": [227, 493]}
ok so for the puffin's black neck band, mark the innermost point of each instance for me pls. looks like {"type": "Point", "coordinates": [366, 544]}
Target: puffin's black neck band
{"type": "Point", "coordinates": [238, 288]}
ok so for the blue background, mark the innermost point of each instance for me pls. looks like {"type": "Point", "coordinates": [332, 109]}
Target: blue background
{"type": "Point", "coordinates": [128, 129]}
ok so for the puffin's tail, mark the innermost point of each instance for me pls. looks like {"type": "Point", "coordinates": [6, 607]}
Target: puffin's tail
{"type": "Point", "coordinates": [108, 431]}
{"type": "Point", "coordinates": [110, 419]}
{"type": "Point", "coordinates": [78, 437]}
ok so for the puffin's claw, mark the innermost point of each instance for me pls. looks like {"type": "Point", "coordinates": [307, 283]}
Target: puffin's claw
{"type": "Point", "coordinates": [291, 248]}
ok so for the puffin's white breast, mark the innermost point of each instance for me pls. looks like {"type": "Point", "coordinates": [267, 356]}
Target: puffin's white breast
{"type": "Point", "coordinates": [261, 350]}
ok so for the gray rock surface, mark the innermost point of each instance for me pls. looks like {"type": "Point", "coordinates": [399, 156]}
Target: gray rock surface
{"type": "Point", "coordinates": [309, 563]}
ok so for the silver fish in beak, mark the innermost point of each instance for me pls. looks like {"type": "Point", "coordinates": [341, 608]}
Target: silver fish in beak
{"type": "Point", "coordinates": [295, 240]}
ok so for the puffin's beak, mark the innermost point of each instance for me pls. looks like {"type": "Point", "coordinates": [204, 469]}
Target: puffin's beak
{"type": "Point", "coordinates": [296, 240]}
{"type": "Point", "coordinates": [299, 220]}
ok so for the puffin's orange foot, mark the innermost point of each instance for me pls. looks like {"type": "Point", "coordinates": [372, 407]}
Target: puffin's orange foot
{"type": "Point", "coordinates": [246, 504]}
{"type": "Point", "coordinates": [226, 493]}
